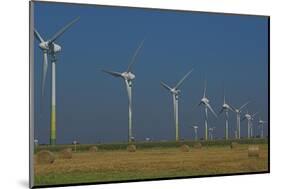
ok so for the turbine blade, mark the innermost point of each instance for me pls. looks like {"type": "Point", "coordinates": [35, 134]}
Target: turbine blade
{"type": "Point", "coordinates": [211, 109]}
{"type": "Point", "coordinates": [232, 107]}
{"type": "Point", "coordinates": [205, 88]}
{"type": "Point", "coordinates": [38, 36]}
{"type": "Point", "coordinates": [221, 111]}
{"type": "Point", "coordinates": [43, 80]}
{"type": "Point", "coordinates": [174, 106]}
{"type": "Point", "coordinates": [133, 60]}
{"type": "Point", "coordinates": [254, 114]}
{"type": "Point", "coordinates": [166, 86]}
{"type": "Point", "coordinates": [224, 95]}
{"type": "Point", "coordinates": [206, 112]}
{"type": "Point", "coordinates": [184, 77]}
{"type": "Point", "coordinates": [115, 74]}
{"type": "Point", "coordinates": [44, 73]}
{"type": "Point", "coordinates": [62, 30]}
{"type": "Point", "coordinates": [244, 105]}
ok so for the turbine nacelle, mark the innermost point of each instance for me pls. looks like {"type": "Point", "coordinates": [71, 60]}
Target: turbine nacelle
{"type": "Point", "coordinates": [248, 116]}
{"type": "Point", "coordinates": [44, 45]}
{"type": "Point", "coordinates": [128, 76]}
{"type": "Point", "coordinates": [53, 47]}
{"type": "Point", "coordinates": [205, 101]}
{"type": "Point", "coordinates": [226, 107]}
{"type": "Point", "coordinates": [262, 122]}
{"type": "Point", "coordinates": [175, 91]}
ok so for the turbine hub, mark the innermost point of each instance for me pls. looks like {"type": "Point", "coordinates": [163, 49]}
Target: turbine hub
{"type": "Point", "coordinates": [261, 122]}
{"type": "Point", "coordinates": [44, 45]}
{"type": "Point", "coordinates": [248, 116]}
{"type": "Point", "coordinates": [226, 106]}
{"type": "Point", "coordinates": [55, 48]}
{"type": "Point", "coordinates": [175, 91]}
{"type": "Point", "coordinates": [205, 100]}
{"type": "Point", "coordinates": [128, 76]}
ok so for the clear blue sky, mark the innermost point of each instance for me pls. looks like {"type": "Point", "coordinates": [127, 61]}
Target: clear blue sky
{"type": "Point", "coordinates": [93, 107]}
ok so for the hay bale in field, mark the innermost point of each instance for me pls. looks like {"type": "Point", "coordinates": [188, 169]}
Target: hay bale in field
{"type": "Point", "coordinates": [93, 149]}
{"type": "Point", "coordinates": [66, 153]}
{"type": "Point", "coordinates": [234, 145]}
{"type": "Point", "coordinates": [253, 151]}
{"type": "Point", "coordinates": [197, 145]}
{"type": "Point", "coordinates": [45, 157]}
{"type": "Point", "coordinates": [131, 148]}
{"type": "Point", "coordinates": [184, 148]}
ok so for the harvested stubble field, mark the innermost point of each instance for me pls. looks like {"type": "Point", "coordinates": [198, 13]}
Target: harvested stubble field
{"type": "Point", "coordinates": [151, 163]}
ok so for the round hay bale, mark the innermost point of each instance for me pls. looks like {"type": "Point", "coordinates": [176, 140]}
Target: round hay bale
{"type": "Point", "coordinates": [66, 153]}
{"type": "Point", "coordinates": [45, 157]}
{"type": "Point", "coordinates": [234, 145]}
{"type": "Point", "coordinates": [253, 151]}
{"type": "Point", "coordinates": [184, 148]}
{"type": "Point", "coordinates": [131, 148]}
{"type": "Point", "coordinates": [93, 149]}
{"type": "Point", "coordinates": [197, 145]}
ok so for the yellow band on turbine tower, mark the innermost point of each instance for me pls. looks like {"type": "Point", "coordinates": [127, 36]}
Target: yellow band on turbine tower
{"type": "Point", "coordinates": [53, 126]}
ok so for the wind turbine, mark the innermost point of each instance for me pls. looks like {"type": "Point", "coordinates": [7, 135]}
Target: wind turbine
{"type": "Point", "coordinates": [261, 124]}
{"type": "Point", "coordinates": [36, 142]}
{"type": "Point", "coordinates": [238, 112]}
{"type": "Point", "coordinates": [128, 77]}
{"type": "Point", "coordinates": [49, 47]}
{"type": "Point", "coordinates": [205, 101]}
{"type": "Point", "coordinates": [175, 92]}
{"type": "Point", "coordinates": [250, 119]}
{"type": "Point", "coordinates": [236, 133]}
{"type": "Point", "coordinates": [211, 133]}
{"type": "Point", "coordinates": [225, 108]}
{"type": "Point", "coordinates": [195, 127]}
{"type": "Point", "coordinates": [252, 125]}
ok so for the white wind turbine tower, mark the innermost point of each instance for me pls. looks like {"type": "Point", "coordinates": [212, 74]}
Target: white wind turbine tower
{"type": "Point", "coordinates": [225, 108]}
{"type": "Point", "coordinates": [236, 133]}
{"type": "Point", "coordinates": [261, 124]}
{"type": "Point", "coordinates": [238, 112]}
{"type": "Point", "coordinates": [49, 47]}
{"type": "Point", "coordinates": [250, 119]}
{"type": "Point", "coordinates": [205, 101]}
{"type": "Point", "coordinates": [195, 127]}
{"type": "Point", "coordinates": [211, 132]}
{"type": "Point", "coordinates": [128, 77]}
{"type": "Point", "coordinates": [175, 92]}
{"type": "Point", "coordinates": [252, 125]}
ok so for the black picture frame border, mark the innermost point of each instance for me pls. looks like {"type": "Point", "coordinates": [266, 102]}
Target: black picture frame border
{"type": "Point", "coordinates": [31, 109]}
